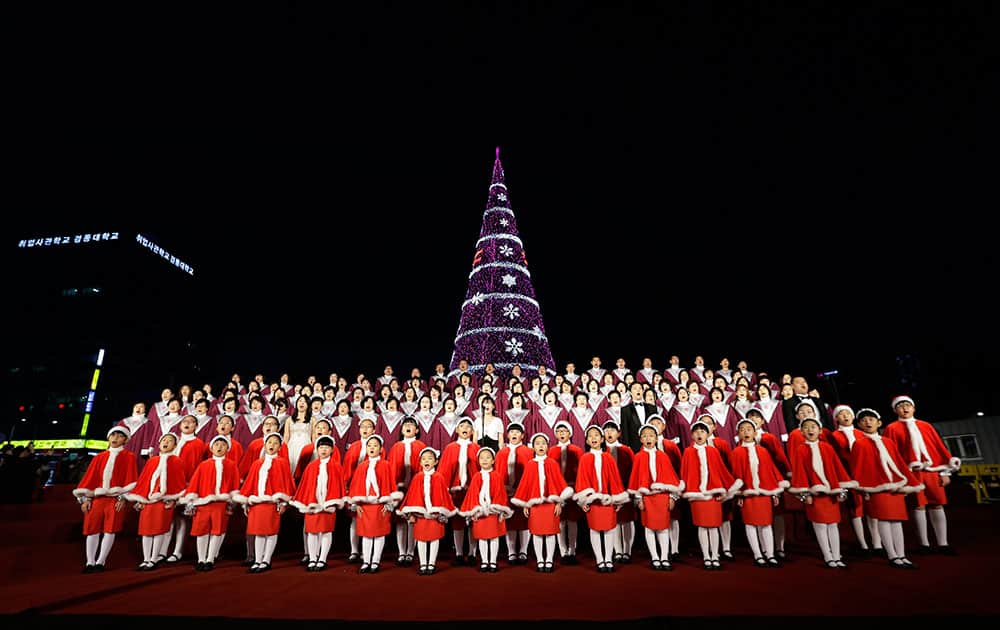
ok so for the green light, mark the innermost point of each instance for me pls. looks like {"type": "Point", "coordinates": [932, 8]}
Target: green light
{"type": "Point", "coordinates": [86, 421]}
{"type": "Point", "coordinates": [99, 445]}
{"type": "Point", "coordinates": [97, 374]}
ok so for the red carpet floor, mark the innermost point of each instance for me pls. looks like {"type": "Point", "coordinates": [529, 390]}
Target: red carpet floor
{"type": "Point", "coordinates": [42, 551]}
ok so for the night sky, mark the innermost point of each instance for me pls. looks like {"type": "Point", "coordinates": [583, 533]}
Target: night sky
{"type": "Point", "coordinates": [805, 188]}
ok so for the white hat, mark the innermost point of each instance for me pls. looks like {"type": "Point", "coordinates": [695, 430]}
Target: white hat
{"type": "Point", "coordinates": [486, 448]}
{"type": "Point", "coordinates": [120, 429]}
{"type": "Point", "coordinates": [867, 411]}
{"type": "Point", "coordinates": [611, 423]}
{"type": "Point", "coordinates": [324, 438]}
{"type": "Point", "coordinates": [747, 421]}
{"type": "Point", "coordinates": [648, 426]}
{"type": "Point", "coordinates": [167, 434]}
{"type": "Point", "coordinates": [902, 399]}
{"type": "Point", "coordinates": [224, 438]}
{"type": "Point", "coordinates": [656, 416]}
{"type": "Point", "coordinates": [563, 423]}
{"type": "Point", "coordinates": [539, 434]}
{"type": "Point", "coordinates": [840, 408]}
{"type": "Point", "coordinates": [275, 434]}
{"type": "Point", "coordinates": [428, 449]}
{"type": "Point", "coordinates": [375, 436]}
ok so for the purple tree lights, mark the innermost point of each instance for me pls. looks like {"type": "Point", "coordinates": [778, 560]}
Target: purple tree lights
{"type": "Point", "coordinates": [501, 320]}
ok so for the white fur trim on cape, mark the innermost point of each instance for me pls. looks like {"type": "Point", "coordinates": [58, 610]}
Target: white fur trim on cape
{"type": "Point", "coordinates": [953, 464]}
{"type": "Point", "coordinates": [552, 498]}
{"type": "Point", "coordinates": [155, 497]}
{"type": "Point", "coordinates": [277, 497]}
{"type": "Point", "coordinates": [659, 488]}
{"type": "Point", "coordinates": [727, 493]}
{"type": "Point", "coordinates": [193, 499]}
{"type": "Point", "coordinates": [885, 487]}
{"type": "Point", "coordinates": [457, 488]}
{"type": "Point", "coordinates": [315, 508]}
{"type": "Point", "coordinates": [755, 492]}
{"type": "Point", "coordinates": [101, 492]}
{"type": "Point", "coordinates": [589, 496]}
{"type": "Point", "coordinates": [495, 509]}
{"type": "Point", "coordinates": [434, 512]}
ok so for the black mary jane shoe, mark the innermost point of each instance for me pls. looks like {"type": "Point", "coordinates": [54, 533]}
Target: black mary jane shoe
{"type": "Point", "coordinates": [432, 569]}
{"type": "Point", "coordinates": [540, 568]}
{"type": "Point", "coordinates": [311, 567]}
{"type": "Point", "coordinates": [708, 565]}
{"type": "Point", "coordinates": [200, 566]}
{"type": "Point", "coordinates": [89, 568]}
{"type": "Point", "coordinates": [716, 565]}
{"type": "Point", "coordinates": [922, 550]}
{"type": "Point", "coordinates": [422, 570]}
{"type": "Point", "coordinates": [373, 568]}
{"type": "Point", "coordinates": [264, 567]}
{"type": "Point", "coordinates": [484, 568]}
{"type": "Point", "coordinates": [666, 566]}
{"type": "Point", "coordinates": [760, 562]}
{"type": "Point", "coordinates": [773, 563]}
{"type": "Point", "coordinates": [364, 568]}
{"type": "Point", "coordinates": [656, 564]}
{"type": "Point", "coordinates": [626, 559]}
{"type": "Point", "coordinates": [946, 550]}
{"type": "Point", "coordinates": [830, 564]}
{"type": "Point", "coordinates": [354, 558]}
{"type": "Point", "coordinates": [208, 566]}
{"type": "Point", "coordinates": [320, 566]}
{"type": "Point", "coordinates": [728, 556]}
{"type": "Point", "coordinates": [522, 558]}
{"type": "Point", "coordinates": [493, 568]}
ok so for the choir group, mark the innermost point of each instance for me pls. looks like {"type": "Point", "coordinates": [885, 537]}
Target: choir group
{"type": "Point", "coordinates": [515, 460]}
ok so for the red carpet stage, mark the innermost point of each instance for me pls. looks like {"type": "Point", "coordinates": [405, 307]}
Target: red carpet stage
{"type": "Point", "coordinates": [42, 556]}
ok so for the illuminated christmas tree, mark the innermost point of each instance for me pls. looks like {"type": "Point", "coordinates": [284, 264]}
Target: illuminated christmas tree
{"type": "Point", "coordinates": [501, 321]}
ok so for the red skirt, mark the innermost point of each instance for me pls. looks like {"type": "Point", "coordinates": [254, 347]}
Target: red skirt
{"type": "Point", "coordinates": [888, 506]}
{"type": "Point", "coordinates": [706, 513]}
{"type": "Point", "coordinates": [210, 518]}
{"type": "Point", "coordinates": [601, 518]}
{"type": "Point", "coordinates": [155, 519]}
{"type": "Point", "coordinates": [102, 517]}
{"type": "Point", "coordinates": [933, 492]}
{"type": "Point", "coordinates": [320, 523]}
{"type": "Point", "coordinates": [489, 527]}
{"type": "Point", "coordinates": [824, 509]}
{"type": "Point", "coordinates": [373, 521]}
{"type": "Point", "coordinates": [263, 520]}
{"type": "Point", "coordinates": [542, 520]}
{"type": "Point", "coordinates": [428, 530]}
{"type": "Point", "coordinates": [758, 511]}
{"type": "Point", "coordinates": [655, 514]}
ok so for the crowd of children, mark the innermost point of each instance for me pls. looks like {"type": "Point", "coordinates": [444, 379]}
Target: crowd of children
{"type": "Point", "coordinates": [422, 456]}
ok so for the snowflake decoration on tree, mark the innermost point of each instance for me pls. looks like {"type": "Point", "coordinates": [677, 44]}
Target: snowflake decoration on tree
{"type": "Point", "coordinates": [508, 280]}
{"type": "Point", "coordinates": [514, 346]}
{"type": "Point", "coordinates": [504, 222]}
{"type": "Point", "coordinates": [511, 311]}
{"type": "Point", "coordinates": [477, 299]}
{"type": "Point", "coordinates": [537, 331]}
{"type": "Point", "coordinates": [506, 250]}
{"type": "Point", "coordinates": [502, 196]}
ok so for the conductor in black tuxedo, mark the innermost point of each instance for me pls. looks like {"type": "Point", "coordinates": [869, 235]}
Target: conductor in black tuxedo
{"type": "Point", "coordinates": [800, 387]}
{"type": "Point", "coordinates": [634, 416]}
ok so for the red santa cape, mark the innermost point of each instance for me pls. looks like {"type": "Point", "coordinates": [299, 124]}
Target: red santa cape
{"type": "Point", "coordinates": [215, 479]}
{"type": "Point", "coordinates": [512, 468]}
{"type": "Point", "coordinates": [752, 464]}
{"type": "Point", "coordinates": [111, 473]}
{"type": "Point", "coordinates": [382, 490]}
{"type": "Point", "coordinates": [605, 488]}
{"type": "Point", "coordinates": [321, 488]}
{"type": "Point", "coordinates": [816, 469]}
{"type": "Point", "coordinates": [642, 481]}
{"type": "Point", "coordinates": [921, 446]}
{"type": "Point", "coordinates": [451, 465]}
{"type": "Point", "coordinates": [428, 496]}
{"type": "Point", "coordinates": [486, 496]}
{"type": "Point", "coordinates": [162, 479]}
{"type": "Point", "coordinates": [269, 481]}
{"type": "Point", "coordinates": [404, 457]}
{"type": "Point", "coordinates": [878, 467]}
{"type": "Point", "coordinates": [535, 490]}
{"type": "Point", "coordinates": [705, 476]}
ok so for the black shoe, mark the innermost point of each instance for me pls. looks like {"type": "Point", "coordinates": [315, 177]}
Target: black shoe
{"type": "Point", "coordinates": [522, 558]}
{"type": "Point", "coordinates": [493, 568]}
{"type": "Point", "coordinates": [830, 564]}
{"type": "Point", "coordinates": [373, 568]}
{"type": "Point", "coordinates": [264, 567]}
{"type": "Point", "coordinates": [947, 550]}
{"type": "Point", "coordinates": [773, 563]}
{"type": "Point", "coordinates": [780, 555]}
{"type": "Point", "coordinates": [459, 561]}
{"type": "Point", "coordinates": [483, 568]}
{"type": "Point", "coordinates": [626, 559]}
{"type": "Point", "coordinates": [923, 550]}
{"type": "Point", "coordinates": [248, 562]}
{"type": "Point", "coordinates": [675, 557]}
{"type": "Point", "coordinates": [89, 568]}
{"type": "Point", "coordinates": [354, 558]}
{"type": "Point", "coordinates": [708, 565]}
{"type": "Point", "coordinates": [320, 566]}
{"type": "Point", "coordinates": [208, 566]}
{"type": "Point", "coordinates": [311, 566]}
{"type": "Point", "coordinates": [365, 568]}
{"type": "Point", "coordinates": [728, 556]}
{"type": "Point", "coordinates": [656, 564]}
{"type": "Point", "coordinates": [540, 568]}
{"type": "Point", "coordinates": [304, 561]}
{"type": "Point", "coordinates": [200, 566]}
{"type": "Point", "coordinates": [432, 569]}
{"type": "Point", "coordinates": [666, 566]}
{"type": "Point", "coordinates": [760, 562]}
{"type": "Point", "coordinates": [879, 553]}
{"type": "Point", "coordinates": [98, 568]}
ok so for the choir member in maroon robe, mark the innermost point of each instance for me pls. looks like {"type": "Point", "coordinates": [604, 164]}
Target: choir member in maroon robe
{"type": "Point", "coordinates": [160, 408]}
{"type": "Point", "coordinates": [344, 427]}
{"type": "Point", "coordinates": [544, 418]}
{"type": "Point", "coordinates": [581, 416]}
{"type": "Point", "coordinates": [724, 415]}
{"type": "Point", "coordinates": [680, 419]}
{"type": "Point", "coordinates": [164, 423]}
{"type": "Point", "coordinates": [139, 426]}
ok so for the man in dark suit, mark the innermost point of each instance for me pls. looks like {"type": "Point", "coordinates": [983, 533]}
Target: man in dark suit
{"type": "Point", "coordinates": [800, 387]}
{"type": "Point", "coordinates": [634, 416]}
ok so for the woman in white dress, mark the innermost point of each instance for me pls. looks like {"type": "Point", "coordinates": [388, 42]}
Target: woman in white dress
{"type": "Point", "coordinates": [299, 430]}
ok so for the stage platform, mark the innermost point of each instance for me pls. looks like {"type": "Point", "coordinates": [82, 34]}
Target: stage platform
{"type": "Point", "coordinates": [42, 555]}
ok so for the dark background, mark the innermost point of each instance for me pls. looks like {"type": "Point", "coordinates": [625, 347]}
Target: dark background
{"type": "Point", "coordinates": [804, 187]}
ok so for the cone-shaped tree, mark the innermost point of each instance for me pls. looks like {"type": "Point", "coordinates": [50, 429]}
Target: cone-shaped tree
{"type": "Point", "coordinates": [501, 321]}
